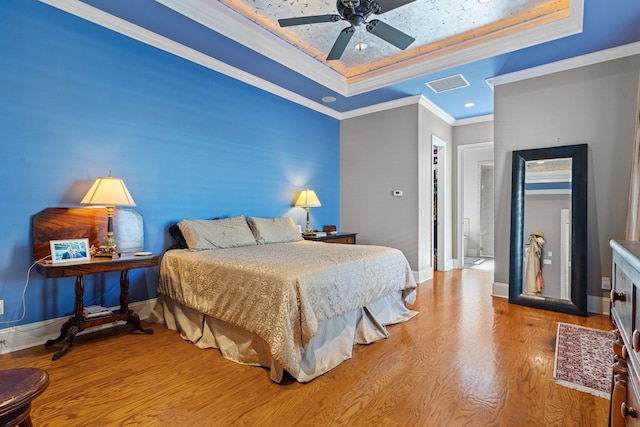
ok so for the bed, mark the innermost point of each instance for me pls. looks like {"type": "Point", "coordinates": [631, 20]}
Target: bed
{"type": "Point", "coordinates": [257, 291]}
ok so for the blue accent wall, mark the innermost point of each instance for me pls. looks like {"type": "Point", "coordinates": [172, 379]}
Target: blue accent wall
{"type": "Point", "coordinates": [78, 100]}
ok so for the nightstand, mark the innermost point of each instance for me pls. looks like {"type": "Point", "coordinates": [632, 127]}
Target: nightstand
{"type": "Point", "coordinates": [79, 321]}
{"type": "Point", "coordinates": [348, 238]}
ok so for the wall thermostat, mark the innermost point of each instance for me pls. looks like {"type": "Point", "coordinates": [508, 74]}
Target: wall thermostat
{"type": "Point", "coordinates": [397, 193]}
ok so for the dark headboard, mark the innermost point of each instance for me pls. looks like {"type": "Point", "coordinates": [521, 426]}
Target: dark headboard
{"type": "Point", "coordinates": [91, 223]}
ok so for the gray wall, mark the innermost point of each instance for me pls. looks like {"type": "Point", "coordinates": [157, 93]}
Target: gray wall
{"type": "Point", "coordinates": [595, 105]}
{"type": "Point", "coordinates": [382, 152]}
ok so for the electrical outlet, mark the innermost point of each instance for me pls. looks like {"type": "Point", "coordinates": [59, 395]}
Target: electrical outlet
{"type": "Point", "coordinates": [1, 307]}
{"type": "Point", "coordinates": [606, 283]}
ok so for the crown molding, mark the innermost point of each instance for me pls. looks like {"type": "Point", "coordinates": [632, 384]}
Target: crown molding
{"type": "Point", "coordinates": [104, 19]}
{"type": "Point", "coordinates": [567, 64]}
{"type": "Point", "coordinates": [483, 48]}
{"type": "Point", "coordinates": [225, 21]}
{"type": "Point", "coordinates": [474, 120]}
{"type": "Point", "coordinates": [402, 102]}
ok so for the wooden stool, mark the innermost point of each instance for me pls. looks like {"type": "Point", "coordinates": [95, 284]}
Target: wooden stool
{"type": "Point", "coordinates": [18, 387]}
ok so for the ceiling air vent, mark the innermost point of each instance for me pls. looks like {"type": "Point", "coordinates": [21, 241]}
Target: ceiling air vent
{"type": "Point", "coordinates": [448, 83]}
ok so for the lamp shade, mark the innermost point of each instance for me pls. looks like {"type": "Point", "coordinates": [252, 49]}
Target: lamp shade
{"type": "Point", "coordinates": [108, 191]}
{"type": "Point", "coordinates": [307, 199]}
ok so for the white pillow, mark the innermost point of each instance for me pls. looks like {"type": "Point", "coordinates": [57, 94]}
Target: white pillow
{"type": "Point", "coordinates": [216, 234]}
{"type": "Point", "coordinates": [274, 230]}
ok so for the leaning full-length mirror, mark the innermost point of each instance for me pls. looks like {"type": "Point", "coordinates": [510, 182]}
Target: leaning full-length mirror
{"type": "Point", "coordinates": [549, 229]}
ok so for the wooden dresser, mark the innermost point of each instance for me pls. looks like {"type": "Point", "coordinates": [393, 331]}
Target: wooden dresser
{"type": "Point", "coordinates": [625, 393]}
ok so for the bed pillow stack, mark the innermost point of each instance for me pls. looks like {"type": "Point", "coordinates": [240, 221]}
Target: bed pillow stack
{"type": "Point", "coordinates": [274, 230]}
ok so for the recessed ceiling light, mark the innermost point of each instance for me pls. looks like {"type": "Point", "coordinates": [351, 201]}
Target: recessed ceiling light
{"type": "Point", "coordinates": [470, 104]}
{"type": "Point", "coordinates": [329, 99]}
{"type": "Point", "coordinates": [361, 46]}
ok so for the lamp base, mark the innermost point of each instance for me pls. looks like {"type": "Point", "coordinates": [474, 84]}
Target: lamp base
{"type": "Point", "coordinates": [106, 251]}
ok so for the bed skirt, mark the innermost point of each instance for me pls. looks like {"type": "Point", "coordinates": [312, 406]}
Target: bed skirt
{"type": "Point", "coordinates": [332, 345]}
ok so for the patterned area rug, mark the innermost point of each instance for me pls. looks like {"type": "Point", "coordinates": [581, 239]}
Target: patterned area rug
{"type": "Point", "coordinates": [584, 359]}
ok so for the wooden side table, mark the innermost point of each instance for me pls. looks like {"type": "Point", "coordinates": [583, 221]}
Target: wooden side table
{"type": "Point", "coordinates": [78, 321]}
{"type": "Point", "coordinates": [348, 238]}
{"type": "Point", "coordinates": [18, 387]}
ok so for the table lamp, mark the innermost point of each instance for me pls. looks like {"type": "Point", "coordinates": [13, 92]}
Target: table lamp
{"type": "Point", "coordinates": [110, 192]}
{"type": "Point", "coordinates": [307, 199]}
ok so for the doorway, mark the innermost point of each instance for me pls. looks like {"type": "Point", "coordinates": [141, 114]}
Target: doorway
{"type": "Point", "coordinates": [441, 244]}
{"type": "Point", "coordinates": [475, 218]}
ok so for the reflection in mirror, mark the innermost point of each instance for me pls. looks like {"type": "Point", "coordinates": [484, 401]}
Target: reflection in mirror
{"type": "Point", "coordinates": [549, 229]}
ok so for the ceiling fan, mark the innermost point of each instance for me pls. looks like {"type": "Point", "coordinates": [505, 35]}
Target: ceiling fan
{"type": "Point", "coordinates": [357, 12]}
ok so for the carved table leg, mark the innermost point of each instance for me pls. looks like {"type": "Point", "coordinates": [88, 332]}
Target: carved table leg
{"type": "Point", "coordinates": [68, 342]}
{"type": "Point", "coordinates": [63, 332]}
{"type": "Point", "coordinates": [133, 318]}
{"type": "Point", "coordinates": [71, 327]}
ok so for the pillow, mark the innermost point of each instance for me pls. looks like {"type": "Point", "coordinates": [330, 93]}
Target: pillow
{"type": "Point", "coordinates": [216, 234]}
{"type": "Point", "coordinates": [274, 230]}
{"type": "Point", "coordinates": [178, 237]}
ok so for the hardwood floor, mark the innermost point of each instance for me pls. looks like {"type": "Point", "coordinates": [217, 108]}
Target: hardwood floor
{"type": "Point", "coordinates": [467, 359]}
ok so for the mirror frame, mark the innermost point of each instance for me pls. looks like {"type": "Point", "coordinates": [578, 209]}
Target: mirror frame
{"type": "Point", "coordinates": [578, 303]}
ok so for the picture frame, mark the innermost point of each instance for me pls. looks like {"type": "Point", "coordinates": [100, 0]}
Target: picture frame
{"type": "Point", "coordinates": [67, 251]}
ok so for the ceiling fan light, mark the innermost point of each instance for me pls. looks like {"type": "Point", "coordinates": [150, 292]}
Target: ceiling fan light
{"type": "Point", "coordinates": [361, 46]}
{"type": "Point", "coordinates": [484, 1]}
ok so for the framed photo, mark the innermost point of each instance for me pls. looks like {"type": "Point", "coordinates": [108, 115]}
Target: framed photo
{"type": "Point", "coordinates": [70, 251]}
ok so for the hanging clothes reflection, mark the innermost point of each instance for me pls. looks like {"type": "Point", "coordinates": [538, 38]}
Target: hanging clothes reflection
{"type": "Point", "coordinates": [533, 283]}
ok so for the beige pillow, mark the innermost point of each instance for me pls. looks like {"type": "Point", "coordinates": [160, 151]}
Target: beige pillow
{"type": "Point", "coordinates": [274, 230]}
{"type": "Point", "coordinates": [216, 234]}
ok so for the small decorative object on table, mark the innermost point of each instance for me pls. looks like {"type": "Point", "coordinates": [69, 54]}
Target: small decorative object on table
{"type": "Point", "coordinates": [69, 251]}
{"type": "Point", "coordinates": [329, 229]}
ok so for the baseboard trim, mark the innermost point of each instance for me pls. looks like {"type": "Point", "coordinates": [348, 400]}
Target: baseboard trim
{"type": "Point", "coordinates": [598, 305]}
{"type": "Point", "coordinates": [33, 334]}
{"type": "Point", "coordinates": [500, 290]}
{"type": "Point", "coordinates": [423, 275]}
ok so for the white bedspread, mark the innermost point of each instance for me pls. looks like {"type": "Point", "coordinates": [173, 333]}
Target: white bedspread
{"type": "Point", "coordinates": [282, 291]}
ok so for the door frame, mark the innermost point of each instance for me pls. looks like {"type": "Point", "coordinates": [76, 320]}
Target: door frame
{"type": "Point", "coordinates": [459, 255]}
{"type": "Point", "coordinates": [481, 165]}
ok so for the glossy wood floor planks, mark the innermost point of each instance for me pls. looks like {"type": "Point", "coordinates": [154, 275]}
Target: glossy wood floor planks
{"type": "Point", "coordinates": [468, 359]}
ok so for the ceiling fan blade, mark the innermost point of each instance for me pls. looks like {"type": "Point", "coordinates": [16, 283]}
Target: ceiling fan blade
{"type": "Point", "coordinates": [390, 34]}
{"type": "Point", "coordinates": [388, 5]}
{"type": "Point", "coordinates": [302, 20]}
{"type": "Point", "coordinates": [341, 43]}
